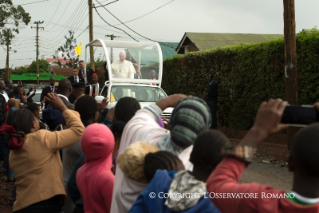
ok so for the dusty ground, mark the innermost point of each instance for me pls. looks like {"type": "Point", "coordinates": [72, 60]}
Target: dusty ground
{"type": "Point", "coordinates": [5, 194]}
{"type": "Point", "coordinates": [268, 167]}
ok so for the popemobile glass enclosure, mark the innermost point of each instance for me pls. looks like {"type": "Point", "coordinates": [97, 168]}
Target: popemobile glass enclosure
{"type": "Point", "coordinates": [131, 62]}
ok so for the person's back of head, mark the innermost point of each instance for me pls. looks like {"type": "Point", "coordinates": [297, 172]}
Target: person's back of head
{"type": "Point", "coordinates": [19, 123]}
{"type": "Point", "coordinates": [17, 91]}
{"type": "Point", "coordinates": [87, 107]}
{"type": "Point", "coordinates": [34, 108]}
{"type": "Point", "coordinates": [303, 159]}
{"type": "Point", "coordinates": [163, 160]}
{"type": "Point", "coordinates": [206, 151]}
{"type": "Point", "coordinates": [125, 109]}
{"type": "Point", "coordinates": [64, 87]}
{"type": "Point", "coordinates": [190, 117]}
{"type": "Point", "coordinates": [14, 103]}
{"type": "Point", "coordinates": [131, 160]}
{"type": "Point", "coordinates": [97, 143]}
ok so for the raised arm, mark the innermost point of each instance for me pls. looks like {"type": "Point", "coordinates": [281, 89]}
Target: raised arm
{"type": "Point", "coordinates": [61, 139]}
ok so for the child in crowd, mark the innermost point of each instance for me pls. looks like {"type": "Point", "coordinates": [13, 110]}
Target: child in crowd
{"type": "Point", "coordinates": [95, 178]}
{"type": "Point", "coordinates": [190, 117]}
{"type": "Point", "coordinates": [205, 157]}
{"type": "Point", "coordinates": [131, 163]}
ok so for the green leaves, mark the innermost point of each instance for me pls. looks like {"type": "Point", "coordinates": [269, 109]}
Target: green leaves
{"type": "Point", "coordinates": [10, 16]}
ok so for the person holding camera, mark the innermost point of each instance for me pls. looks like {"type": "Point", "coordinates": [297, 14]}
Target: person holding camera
{"type": "Point", "coordinates": [303, 161]}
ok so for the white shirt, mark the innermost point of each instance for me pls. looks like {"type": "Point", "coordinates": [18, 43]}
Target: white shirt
{"type": "Point", "coordinates": [123, 69]}
{"type": "Point", "coordinates": [62, 96]}
{"type": "Point", "coordinates": [5, 95]}
{"type": "Point", "coordinates": [76, 79]}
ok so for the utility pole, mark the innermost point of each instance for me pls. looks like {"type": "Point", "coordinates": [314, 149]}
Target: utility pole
{"type": "Point", "coordinates": [7, 76]}
{"type": "Point", "coordinates": [112, 38]}
{"type": "Point", "coordinates": [91, 34]}
{"type": "Point", "coordinates": [290, 60]}
{"type": "Point", "coordinates": [37, 40]}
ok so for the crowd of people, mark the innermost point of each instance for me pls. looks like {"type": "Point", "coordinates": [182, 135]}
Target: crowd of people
{"type": "Point", "coordinates": [85, 158]}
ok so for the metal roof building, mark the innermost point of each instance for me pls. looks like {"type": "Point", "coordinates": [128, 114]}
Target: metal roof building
{"type": "Point", "coordinates": [203, 41]}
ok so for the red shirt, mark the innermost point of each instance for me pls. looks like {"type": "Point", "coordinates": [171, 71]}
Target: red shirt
{"type": "Point", "coordinates": [224, 179]}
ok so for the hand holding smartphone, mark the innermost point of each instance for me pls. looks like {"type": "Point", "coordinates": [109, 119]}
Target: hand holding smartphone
{"type": "Point", "coordinates": [300, 115]}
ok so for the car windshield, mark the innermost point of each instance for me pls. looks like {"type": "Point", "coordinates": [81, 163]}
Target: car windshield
{"type": "Point", "coordinates": [141, 93]}
{"type": "Point", "coordinates": [37, 97]}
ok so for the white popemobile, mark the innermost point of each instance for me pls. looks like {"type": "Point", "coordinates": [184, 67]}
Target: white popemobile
{"type": "Point", "coordinates": [146, 56]}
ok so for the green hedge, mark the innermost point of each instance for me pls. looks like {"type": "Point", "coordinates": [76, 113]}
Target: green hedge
{"type": "Point", "coordinates": [246, 75]}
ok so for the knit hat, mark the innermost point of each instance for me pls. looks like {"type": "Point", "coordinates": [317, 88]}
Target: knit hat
{"type": "Point", "coordinates": [53, 118]}
{"type": "Point", "coordinates": [190, 117]}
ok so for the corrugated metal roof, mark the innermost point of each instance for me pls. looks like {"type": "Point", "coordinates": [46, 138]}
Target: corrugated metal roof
{"type": "Point", "coordinates": [206, 41]}
{"type": "Point", "coordinates": [149, 57]}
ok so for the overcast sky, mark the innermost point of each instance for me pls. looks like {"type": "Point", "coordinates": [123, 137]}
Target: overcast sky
{"type": "Point", "coordinates": [168, 23]}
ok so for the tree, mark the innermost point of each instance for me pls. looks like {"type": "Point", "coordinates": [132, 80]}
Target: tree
{"type": "Point", "coordinates": [70, 45]}
{"type": "Point", "coordinates": [43, 67]}
{"type": "Point", "coordinates": [10, 18]}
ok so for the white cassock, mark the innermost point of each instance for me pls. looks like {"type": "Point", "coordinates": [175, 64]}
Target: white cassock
{"type": "Point", "coordinates": [123, 69]}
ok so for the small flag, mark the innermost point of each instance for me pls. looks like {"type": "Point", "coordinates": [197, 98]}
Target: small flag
{"type": "Point", "coordinates": [78, 49]}
{"type": "Point", "coordinates": [112, 99]}
{"type": "Point", "coordinates": [75, 52]}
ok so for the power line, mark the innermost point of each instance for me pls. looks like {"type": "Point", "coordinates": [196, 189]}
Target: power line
{"type": "Point", "coordinates": [114, 26]}
{"type": "Point", "coordinates": [106, 4]}
{"type": "Point", "coordinates": [33, 2]}
{"type": "Point", "coordinates": [62, 14]}
{"type": "Point", "coordinates": [145, 14]}
{"type": "Point", "coordinates": [72, 17]}
{"type": "Point", "coordinates": [82, 32]}
{"type": "Point", "coordinates": [55, 11]}
{"type": "Point", "coordinates": [132, 29]}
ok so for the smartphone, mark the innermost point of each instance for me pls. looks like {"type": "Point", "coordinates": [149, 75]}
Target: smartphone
{"type": "Point", "coordinates": [300, 115]}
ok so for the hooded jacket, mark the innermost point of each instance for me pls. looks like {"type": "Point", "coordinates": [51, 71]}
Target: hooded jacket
{"type": "Point", "coordinates": [95, 179]}
{"type": "Point", "coordinates": [154, 197]}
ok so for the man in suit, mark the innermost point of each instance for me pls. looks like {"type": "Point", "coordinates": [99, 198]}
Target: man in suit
{"type": "Point", "coordinates": [212, 95]}
{"type": "Point", "coordinates": [75, 78]}
{"type": "Point", "coordinates": [82, 74]}
{"type": "Point", "coordinates": [46, 90]}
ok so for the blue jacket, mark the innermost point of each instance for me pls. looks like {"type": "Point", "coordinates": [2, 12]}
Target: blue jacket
{"type": "Point", "coordinates": [160, 184]}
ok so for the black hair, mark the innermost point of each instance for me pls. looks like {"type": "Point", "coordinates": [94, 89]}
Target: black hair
{"type": "Point", "coordinates": [206, 149]}
{"type": "Point", "coordinates": [16, 90]}
{"type": "Point", "coordinates": [305, 149]}
{"type": "Point", "coordinates": [64, 86]}
{"type": "Point", "coordinates": [163, 160]}
{"type": "Point", "coordinates": [33, 107]}
{"type": "Point", "coordinates": [125, 109]}
{"type": "Point", "coordinates": [7, 81]}
{"type": "Point", "coordinates": [87, 107]}
{"type": "Point", "coordinates": [21, 119]}
{"type": "Point", "coordinates": [81, 61]}
{"type": "Point", "coordinates": [75, 67]}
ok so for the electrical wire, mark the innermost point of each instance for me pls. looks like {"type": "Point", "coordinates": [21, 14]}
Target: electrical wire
{"type": "Point", "coordinates": [145, 14]}
{"type": "Point", "coordinates": [132, 29]}
{"type": "Point", "coordinates": [33, 2]}
{"type": "Point", "coordinates": [107, 4]}
{"type": "Point", "coordinates": [114, 26]}
{"type": "Point", "coordinates": [55, 12]}
{"type": "Point", "coordinates": [62, 14]}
